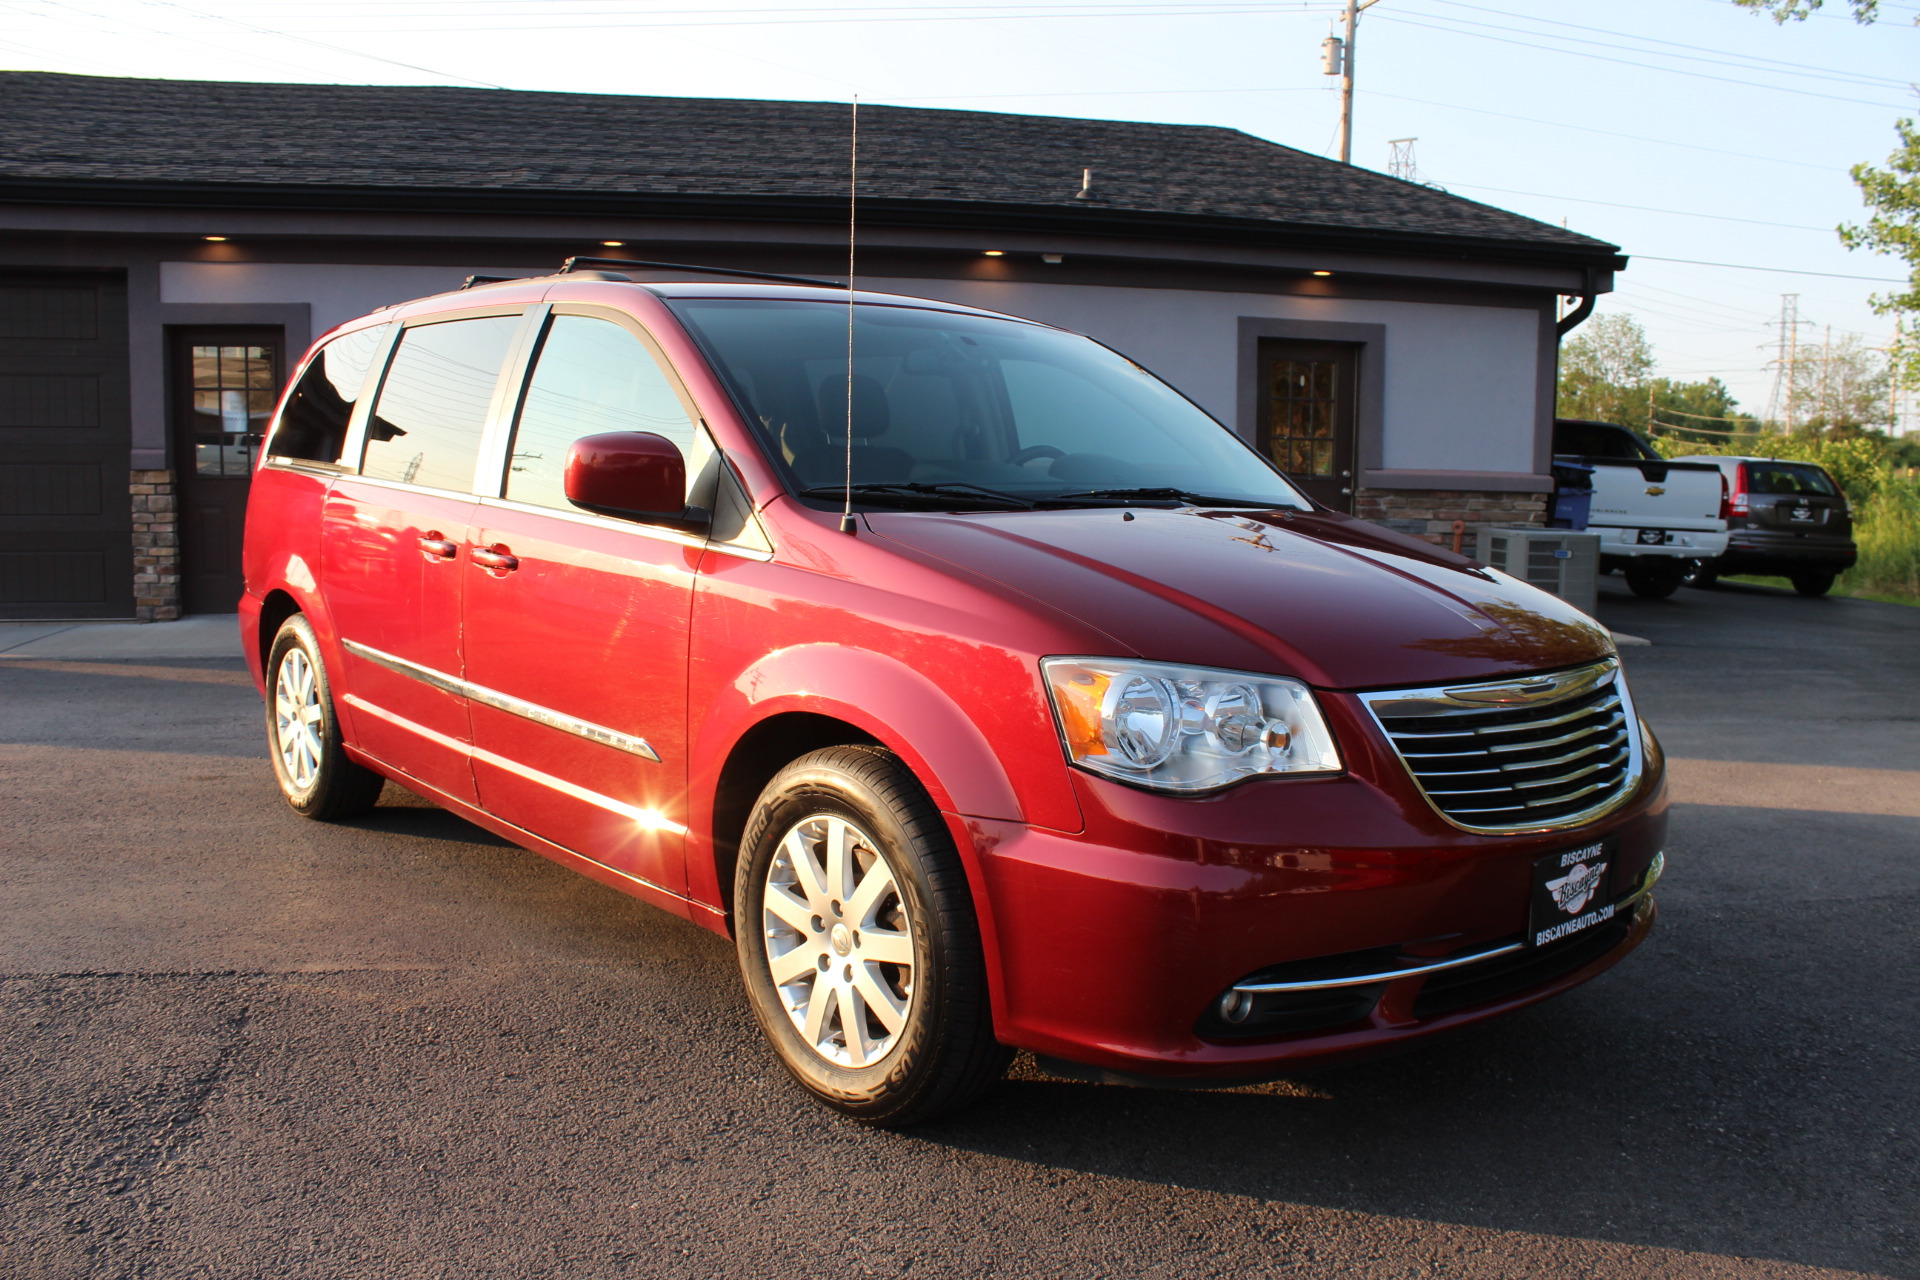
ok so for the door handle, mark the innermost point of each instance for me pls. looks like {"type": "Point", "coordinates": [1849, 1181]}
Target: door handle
{"type": "Point", "coordinates": [435, 547]}
{"type": "Point", "coordinates": [495, 559]}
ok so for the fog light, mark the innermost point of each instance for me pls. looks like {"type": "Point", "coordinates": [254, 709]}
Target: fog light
{"type": "Point", "coordinates": [1235, 1006]}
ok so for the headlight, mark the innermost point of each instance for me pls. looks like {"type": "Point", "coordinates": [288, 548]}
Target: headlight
{"type": "Point", "coordinates": [1185, 728]}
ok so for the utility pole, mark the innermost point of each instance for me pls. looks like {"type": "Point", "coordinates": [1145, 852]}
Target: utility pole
{"type": "Point", "coordinates": [1345, 70]}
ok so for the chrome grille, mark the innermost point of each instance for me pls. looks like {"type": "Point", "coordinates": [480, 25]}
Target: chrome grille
{"type": "Point", "coordinates": [1530, 754]}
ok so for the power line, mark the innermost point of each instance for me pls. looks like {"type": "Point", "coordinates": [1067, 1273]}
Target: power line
{"type": "Point", "coordinates": [320, 44]}
{"type": "Point", "coordinates": [1605, 133]}
{"type": "Point", "coordinates": [1641, 208]}
{"type": "Point", "coordinates": [1784, 271]}
{"type": "Point", "coordinates": [1749, 62]}
{"type": "Point", "coordinates": [1675, 71]}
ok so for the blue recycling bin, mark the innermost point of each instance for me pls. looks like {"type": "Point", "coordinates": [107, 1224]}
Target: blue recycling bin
{"type": "Point", "coordinates": [1572, 495]}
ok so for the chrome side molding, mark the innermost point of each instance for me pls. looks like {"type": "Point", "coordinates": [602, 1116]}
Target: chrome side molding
{"type": "Point", "coordinates": [506, 702]}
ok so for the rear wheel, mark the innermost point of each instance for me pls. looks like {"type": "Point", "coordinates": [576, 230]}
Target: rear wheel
{"type": "Point", "coordinates": [1703, 574]}
{"type": "Point", "coordinates": [858, 942]}
{"type": "Point", "coordinates": [1655, 577]}
{"type": "Point", "coordinates": [1813, 584]}
{"type": "Point", "coordinates": [303, 732]}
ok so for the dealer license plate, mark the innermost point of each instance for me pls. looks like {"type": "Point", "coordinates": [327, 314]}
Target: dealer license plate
{"type": "Point", "coordinates": [1653, 537]}
{"type": "Point", "coordinates": [1572, 892]}
{"type": "Point", "coordinates": [1801, 515]}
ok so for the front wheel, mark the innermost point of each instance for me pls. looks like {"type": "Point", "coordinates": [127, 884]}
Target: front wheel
{"type": "Point", "coordinates": [1703, 574]}
{"type": "Point", "coordinates": [303, 732]}
{"type": "Point", "coordinates": [858, 942]}
{"type": "Point", "coordinates": [1655, 577]}
{"type": "Point", "coordinates": [1813, 584]}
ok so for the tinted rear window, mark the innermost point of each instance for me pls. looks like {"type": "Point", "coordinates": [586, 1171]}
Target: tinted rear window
{"type": "Point", "coordinates": [314, 425]}
{"type": "Point", "coordinates": [1788, 478]}
{"type": "Point", "coordinates": [426, 425]}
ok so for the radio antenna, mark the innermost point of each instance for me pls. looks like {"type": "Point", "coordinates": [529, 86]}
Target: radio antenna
{"type": "Point", "coordinates": [853, 195]}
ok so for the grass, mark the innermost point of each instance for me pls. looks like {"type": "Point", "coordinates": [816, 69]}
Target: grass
{"type": "Point", "coordinates": [1840, 588]}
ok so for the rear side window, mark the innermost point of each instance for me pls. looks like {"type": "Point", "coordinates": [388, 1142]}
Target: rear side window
{"type": "Point", "coordinates": [1599, 440]}
{"type": "Point", "coordinates": [314, 424]}
{"type": "Point", "coordinates": [1788, 478]}
{"type": "Point", "coordinates": [591, 376]}
{"type": "Point", "coordinates": [425, 428]}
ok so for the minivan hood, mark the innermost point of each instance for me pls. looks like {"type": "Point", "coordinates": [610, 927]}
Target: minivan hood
{"type": "Point", "coordinates": [1333, 600]}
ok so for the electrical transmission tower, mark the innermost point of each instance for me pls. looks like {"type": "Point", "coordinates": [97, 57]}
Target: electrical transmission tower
{"type": "Point", "coordinates": [1786, 364]}
{"type": "Point", "coordinates": [1401, 164]}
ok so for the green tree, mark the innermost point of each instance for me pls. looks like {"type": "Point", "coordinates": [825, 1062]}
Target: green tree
{"type": "Point", "coordinates": [1840, 387]}
{"type": "Point", "coordinates": [1798, 10]}
{"type": "Point", "coordinates": [1698, 411]}
{"type": "Point", "coordinates": [1604, 370]}
{"type": "Point", "coordinates": [1893, 194]}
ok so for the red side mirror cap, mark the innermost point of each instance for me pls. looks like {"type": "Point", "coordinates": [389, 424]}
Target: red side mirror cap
{"type": "Point", "coordinates": [626, 473]}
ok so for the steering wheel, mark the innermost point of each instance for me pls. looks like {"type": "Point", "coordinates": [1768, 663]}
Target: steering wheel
{"type": "Point", "coordinates": [1033, 451]}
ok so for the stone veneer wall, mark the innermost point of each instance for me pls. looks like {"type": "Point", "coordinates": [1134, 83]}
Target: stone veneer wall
{"type": "Point", "coordinates": [1430, 513]}
{"type": "Point", "coordinates": [156, 547]}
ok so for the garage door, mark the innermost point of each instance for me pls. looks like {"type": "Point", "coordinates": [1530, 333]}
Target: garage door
{"type": "Point", "coordinates": [66, 531]}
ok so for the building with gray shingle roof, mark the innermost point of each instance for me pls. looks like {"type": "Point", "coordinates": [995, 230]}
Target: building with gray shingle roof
{"type": "Point", "coordinates": [1391, 344]}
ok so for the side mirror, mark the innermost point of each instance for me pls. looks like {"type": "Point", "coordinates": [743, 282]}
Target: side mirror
{"type": "Point", "coordinates": [628, 474]}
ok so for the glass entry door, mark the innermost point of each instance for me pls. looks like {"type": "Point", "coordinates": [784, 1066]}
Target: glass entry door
{"type": "Point", "coordinates": [1306, 413]}
{"type": "Point", "coordinates": [225, 384]}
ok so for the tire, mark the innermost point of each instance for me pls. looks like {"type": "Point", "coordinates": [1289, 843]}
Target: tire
{"type": "Point", "coordinates": [921, 1043]}
{"type": "Point", "coordinates": [1655, 577]}
{"type": "Point", "coordinates": [1704, 574]}
{"type": "Point", "coordinates": [303, 732]}
{"type": "Point", "coordinates": [1813, 584]}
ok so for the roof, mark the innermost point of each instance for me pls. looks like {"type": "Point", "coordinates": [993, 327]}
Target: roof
{"type": "Point", "coordinates": [63, 135]}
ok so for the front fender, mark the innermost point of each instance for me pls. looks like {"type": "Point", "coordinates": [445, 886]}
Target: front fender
{"type": "Point", "coordinates": [879, 695]}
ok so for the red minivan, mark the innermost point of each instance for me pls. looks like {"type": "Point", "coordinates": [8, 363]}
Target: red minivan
{"type": "Point", "coordinates": [983, 689]}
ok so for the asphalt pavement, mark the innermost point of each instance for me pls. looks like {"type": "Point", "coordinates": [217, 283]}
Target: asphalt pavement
{"type": "Point", "coordinates": [240, 1044]}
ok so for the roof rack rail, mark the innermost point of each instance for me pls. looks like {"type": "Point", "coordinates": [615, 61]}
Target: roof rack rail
{"type": "Point", "coordinates": [474, 280]}
{"type": "Point", "coordinates": [582, 261]}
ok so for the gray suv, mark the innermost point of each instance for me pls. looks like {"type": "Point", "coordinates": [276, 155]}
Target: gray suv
{"type": "Point", "coordinates": [1784, 518]}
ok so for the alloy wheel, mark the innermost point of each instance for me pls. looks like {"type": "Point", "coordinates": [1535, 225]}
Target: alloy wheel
{"type": "Point", "coordinates": [838, 941]}
{"type": "Point", "coordinates": [297, 718]}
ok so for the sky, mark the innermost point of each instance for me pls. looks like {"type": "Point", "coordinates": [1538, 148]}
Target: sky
{"type": "Point", "coordinates": [1704, 140]}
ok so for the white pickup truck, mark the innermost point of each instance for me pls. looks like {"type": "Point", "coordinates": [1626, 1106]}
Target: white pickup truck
{"type": "Point", "coordinates": [1654, 517]}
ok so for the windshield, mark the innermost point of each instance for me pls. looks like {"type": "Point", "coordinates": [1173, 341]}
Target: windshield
{"type": "Point", "coordinates": [991, 408]}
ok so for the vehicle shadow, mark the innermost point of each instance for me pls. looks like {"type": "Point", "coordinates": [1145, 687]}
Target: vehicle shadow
{"type": "Point", "coordinates": [400, 812]}
{"type": "Point", "coordinates": [1696, 1098]}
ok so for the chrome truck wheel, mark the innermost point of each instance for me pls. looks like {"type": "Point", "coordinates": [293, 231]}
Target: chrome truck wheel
{"type": "Point", "coordinates": [858, 942]}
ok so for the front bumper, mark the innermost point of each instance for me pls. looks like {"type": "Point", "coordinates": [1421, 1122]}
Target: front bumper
{"type": "Point", "coordinates": [1112, 948]}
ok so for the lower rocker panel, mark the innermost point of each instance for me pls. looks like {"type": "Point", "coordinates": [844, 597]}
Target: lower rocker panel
{"type": "Point", "coordinates": [698, 912]}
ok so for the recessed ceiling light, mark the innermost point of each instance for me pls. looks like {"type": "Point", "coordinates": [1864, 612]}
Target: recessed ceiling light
{"type": "Point", "coordinates": [216, 239]}
{"type": "Point", "coordinates": [996, 253]}
{"type": "Point", "coordinates": [1323, 273]}
{"type": "Point", "coordinates": [613, 244]}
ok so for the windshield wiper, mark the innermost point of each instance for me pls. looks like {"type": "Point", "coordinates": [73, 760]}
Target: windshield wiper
{"type": "Point", "coordinates": [956, 489]}
{"type": "Point", "coordinates": [1161, 494]}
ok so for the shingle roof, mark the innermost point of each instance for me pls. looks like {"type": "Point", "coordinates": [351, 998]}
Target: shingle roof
{"type": "Point", "coordinates": [95, 129]}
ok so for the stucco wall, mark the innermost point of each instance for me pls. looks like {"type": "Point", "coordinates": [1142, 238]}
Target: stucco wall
{"type": "Point", "coordinates": [1461, 382]}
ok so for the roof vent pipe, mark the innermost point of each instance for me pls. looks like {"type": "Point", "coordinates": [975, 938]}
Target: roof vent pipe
{"type": "Point", "coordinates": [1086, 185]}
